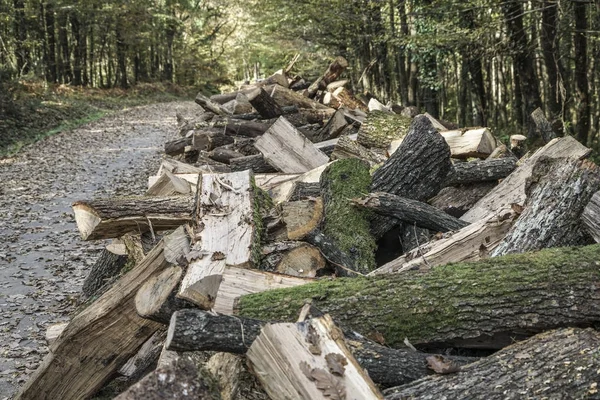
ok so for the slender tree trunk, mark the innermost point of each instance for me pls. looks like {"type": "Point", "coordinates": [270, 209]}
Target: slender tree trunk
{"type": "Point", "coordinates": [77, 37]}
{"type": "Point", "coordinates": [64, 64]}
{"type": "Point", "coordinates": [20, 34]}
{"type": "Point", "coordinates": [581, 71]}
{"type": "Point", "coordinates": [549, 44]}
{"type": "Point", "coordinates": [51, 71]}
{"type": "Point", "coordinates": [403, 85]}
{"type": "Point", "coordinates": [121, 53]}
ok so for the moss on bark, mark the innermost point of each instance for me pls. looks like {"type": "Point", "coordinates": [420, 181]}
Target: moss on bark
{"type": "Point", "coordinates": [381, 128]}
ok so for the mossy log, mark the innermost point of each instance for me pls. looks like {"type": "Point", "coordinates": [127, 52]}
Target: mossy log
{"type": "Point", "coordinates": [557, 193]}
{"type": "Point", "coordinates": [553, 365]}
{"type": "Point", "coordinates": [487, 304]}
{"type": "Point", "coordinates": [381, 128]}
{"type": "Point", "coordinates": [347, 226]}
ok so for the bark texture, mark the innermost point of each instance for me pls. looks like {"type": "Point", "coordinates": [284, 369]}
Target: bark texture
{"type": "Point", "coordinates": [480, 171]}
{"type": "Point", "coordinates": [487, 304]}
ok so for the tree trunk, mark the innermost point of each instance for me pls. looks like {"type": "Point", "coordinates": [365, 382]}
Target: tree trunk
{"type": "Point", "coordinates": [51, 71]}
{"type": "Point", "coordinates": [549, 44]}
{"type": "Point", "coordinates": [66, 75]}
{"type": "Point", "coordinates": [121, 51]}
{"type": "Point", "coordinates": [107, 268]}
{"type": "Point", "coordinates": [581, 71]}
{"type": "Point", "coordinates": [480, 171]}
{"type": "Point", "coordinates": [450, 305]}
{"type": "Point", "coordinates": [531, 369]}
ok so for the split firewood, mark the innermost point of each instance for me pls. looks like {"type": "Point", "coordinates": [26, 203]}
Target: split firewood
{"type": "Point", "coordinates": [334, 70]}
{"type": "Point", "coordinates": [245, 128]}
{"type": "Point", "coordinates": [98, 340]}
{"type": "Point", "coordinates": [224, 155]}
{"type": "Point", "coordinates": [416, 171]}
{"type": "Point", "coordinates": [289, 150]}
{"type": "Point", "coordinates": [305, 191]}
{"type": "Point", "coordinates": [170, 184]}
{"type": "Point", "coordinates": [302, 217]}
{"type": "Point", "coordinates": [196, 330]}
{"type": "Point", "coordinates": [436, 123]}
{"type": "Point", "coordinates": [501, 151]}
{"type": "Point", "coordinates": [533, 368]}
{"type": "Point", "coordinates": [543, 128]}
{"type": "Point", "coordinates": [181, 379]}
{"type": "Point", "coordinates": [591, 217]}
{"type": "Point", "coordinates": [333, 128]}
{"type": "Point", "coordinates": [264, 104]}
{"type": "Point", "coordinates": [480, 171]}
{"type": "Point", "coordinates": [227, 97]}
{"type": "Point", "coordinates": [110, 218]}
{"type": "Point", "coordinates": [449, 306]}
{"type": "Point", "coordinates": [347, 100]}
{"type": "Point", "coordinates": [552, 214]}
{"type": "Point", "coordinates": [207, 140]}
{"type": "Point", "coordinates": [313, 363]}
{"type": "Point", "coordinates": [518, 145]}
{"type": "Point", "coordinates": [376, 105]}
{"type": "Point", "coordinates": [256, 163]}
{"type": "Point", "coordinates": [241, 105]}
{"type": "Point", "coordinates": [147, 356]}
{"type": "Point", "coordinates": [380, 128]}
{"type": "Point", "coordinates": [54, 331]}
{"type": "Point", "coordinates": [190, 155]}
{"type": "Point", "coordinates": [106, 269]}
{"type": "Point", "coordinates": [512, 189]}
{"type": "Point", "coordinates": [410, 211]}
{"type": "Point", "coordinates": [471, 243]}
{"type": "Point", "coordinates": [178, 167]}
{"type": "Point", "coordinates": [177, 146]}
{"type": "Point", "coordinates": [233, 379]}
{"type": "Point", "coordinates": [269, 181]}
{"type": "Point", "coordinates": [227, 235]}
{"type": "Point", "coordinates": [210, 105]}
{"type": "Point", "coordinates": [346, 147]}
{"type": "Point", "coordinates": [138, 246]}
{"type": "Point", "coordinates": [293, 258]}
{"type": "Point", "coordinates": [470, 143]}
{"type": "Point", "coordinates": [331, 87]}
{"type": "Point", "coordinates": [285, 97]}
{"type": "Point", "coordinates": [328, 146]}
{"type": "Point", "coordinates": [457, 200]}
{"type": "Point", "coordinates": [331, 101]}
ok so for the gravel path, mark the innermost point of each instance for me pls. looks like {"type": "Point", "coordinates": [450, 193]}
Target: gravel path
{"type": "Point", "coordinates": [42, 260]}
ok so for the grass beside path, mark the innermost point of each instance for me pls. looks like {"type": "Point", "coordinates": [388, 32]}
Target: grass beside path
{"type": "Point", "coordinates": [31, 110]}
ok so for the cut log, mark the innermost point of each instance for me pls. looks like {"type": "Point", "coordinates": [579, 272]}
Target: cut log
{"type": "Point", "coordinates": [178, 167]}
{"type": "Point", "coordinates": [518, 145]}
{"type": "Point", "coordinates": [241, 105]}
{"type": "Point", "coordinates": [410, 211]}
{"type": "Point", "coordinates": [471, 243]}
{"type": "Point", "coordinates": [98, 340]}
{"type": "Point", "coordinates": [512, 189]}
{"type": "Point", "coordinates": [416, 171]}
{"type": "Point", "coordinates": [449, 306]}
{"type": "Point", "coordinates": [561, 364]}
{"type": "Point", "coordinates": [436, 124]}
{"type": "Point", "coordinates": [256, 163]}
{"type": "Point", "coordinates": [209, 140]}
{"type": "Point", "coordinates": [302, 217]}
{"type": "Point", "coordinates": [345, 226]}
{"type": "Point", "coordinates": [331, 101]}
{"type": "Point", "coordinates": [293, 258]}
{"type": "Point", "coordinates": [467, 143]}
{"type": "Point", "coordinates": [284, 190]}
{"type": "Point", "coordinates": [346, 147]}
{"type": "Point", "coordinates": [376, 105]}
{"type": "Point", "coordinates": [457, 200]}
{"type": "Point", "coordinates": [227, 234]}
{"type": "Point", "coordinates": [591, 217]}
{"type": "Point", "coordinates": [556, 197]}
{"type": "Point", "coordinates": [286, 97]}
{"type": "Point", "coordinates": [347, 100]}
{"type": "Point", "coordinates": [234, 380]}
{"type": "Point", "coordinates": [54, 331]}
{"type": "Point", "coordinates": [305, 191]}
{"type": "Point", "coordinates": [182, 379]}
{"type": "Point", "coordinates": [480, 171]}
{"type": "Point", "coordinates": [170, 184]}
{"type": "Point", "coordinates": [313, 362]}
{"type": "Point", "coordinates": [237, 282]}
{"type": "Point", "coordinates": [381, 128]}
{"type": "Point", "coordinates": [289, 150]}
{"type": "Point", "coordinates": [224, 155]}
{"type": "Point", "coordinates": [146, 357]}
{"type": "Point", "coordinates": [332, 129]}
{"type": "Point", "coordinates": [245, 128]}
{"type": "Point", "coordinates": [110, 218]}
{"type": "Point", "coordinates": [107, 268]}
{"type": "Point", "coordinates": [210, 105]}
{"type": "Point", "coordinates": [334, 70]}
{"type": "Point", "coordinates": [196, 330]}
{"type": "Point", "coordinates": [543, 128]}
{"type": "Point", "coordinates": [268, 181]}
{"type": "Point", "coordinates": [336, 84]}
{"type": "Point", "coordinates": [177, 146]}
{"type": "Point", "coordinates": [264, 104]}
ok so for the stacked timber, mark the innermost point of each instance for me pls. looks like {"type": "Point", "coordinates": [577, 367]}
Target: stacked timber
{"type": "Point", "coordinates": [296, 243]}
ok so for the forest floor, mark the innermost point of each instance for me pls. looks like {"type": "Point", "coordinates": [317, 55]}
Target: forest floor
{"type": "Point", "coordinates": [42, 260]}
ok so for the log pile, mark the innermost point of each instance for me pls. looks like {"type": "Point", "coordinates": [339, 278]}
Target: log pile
{"type": "Point", "coordinates": [295, 245]}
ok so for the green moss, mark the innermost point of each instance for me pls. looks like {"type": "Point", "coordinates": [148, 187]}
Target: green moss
{"type": "Point", "coordinates": [419, 306]}
{"type": "Point", "coordinates": [380, 128]}
{"type": "Point", "coordinates": [345, 224]}
{"type": "Point", "coordinates": [262, 205]}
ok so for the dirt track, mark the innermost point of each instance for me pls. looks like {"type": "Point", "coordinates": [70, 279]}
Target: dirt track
{"type": "Point", "coordinates": [42, 260]}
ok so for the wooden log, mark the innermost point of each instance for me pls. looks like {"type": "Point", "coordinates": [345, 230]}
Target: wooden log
{"type": "Point", "coordinates": [410, 211]}
{"type": "Point", "coordinates": [346, 147]}
{"type": "Point", "coordinates": [591, 217]}
{"type": "Point", "coordinates": [346, 99]}
{"type": "Point", "coordinates": [302, 217]}
{"type": "Point", "coordinates": [331, 87]}
{"type": "Point", "coordinates": [110, 218]}
{"type": "Point", "coordinates": [380, 128]}
{"type": "Point", "coordinates": [269, 181]}
{"type": "Point", "coordinates": [241, 105]}
{"type": "Point", "coordinates": [234, 380]}
{"type": "Point", "coordinates": [245, 128]}
{"type": "Point", "coordinates": [334, 70]}
{"type": "Point", "coordinates": [210, 105]}
{"type": "Point", "coordinates": [467, 143]}
{"type": "Point", "coordinates": [518, 145]}
{"type": "Point", "coordinates": [543, 128]}
{"type": "Point", "coordinates": [457, 200]}
{"type": "Point", "coordinates": [449, 306]}
{"type": "Point", "coordinates": [207, 140]}
{"type": "Point", "coordinates": [535, 368]}
{"type": "Point", "coordinates": [98, 340]}
{"type": "Point", "coordinates": [556, 197]}
{"type": "Point", "coordinates": [178, 167]}
{"type": "Point", "coordinates": [305, 191]}
{"type": "Point", "coordinates": [196, 330]}
{"type": "Point", "coordinates": [480, 171]}
{"type": "Point", "coordinates": [471, 243]}
{"type": "Point", "coordinates": [293, 258]}
{"type": "Point", "coordinates": [416, 171]}
{"type": "Point", "coordinates": [170, 184]}
{"type": "Point", "coordinates": [376, 105]}
{"type": "Point", "coordinates": [289, 150]}
{"type": "Point", "coordinates": [333, 128]}
{"type": "Point", "coordinates": [107, 268]}
{"type": "Point", "coordinates": [227, 234]}
{"type": "Point", "coordinates": [283, 191]}
{"type": "Point", "coordinates": [181, 379]}
{"type": "Point", "coordinates": [285, 97]}
{"type": "Point", "coordinates": [256, 163]}
{"type": "Point", "coordinates": [224, 155]}
{"type": "Point", "coordinates": [346, 226]}
{"type": "Point", "coordinates": [53, 332]}
{"type": "Point", "coordinates": [436, 124]}
{"type": "Point", "coordinates": [331, 101]}
{"type": "Point", "coordinates": [512, 189]}
{"type": "Point", "coordinates": [264, 104]}
{"type": "Point", "coordinates": [146, 357]}
{"type": "Point", "coordinates": [177, 146]}
{"type": "Point", "coordinates": [313, 363]}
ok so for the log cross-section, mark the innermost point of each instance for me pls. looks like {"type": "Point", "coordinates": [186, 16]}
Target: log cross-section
{"type": "Point", "coordinates": [227, 234]}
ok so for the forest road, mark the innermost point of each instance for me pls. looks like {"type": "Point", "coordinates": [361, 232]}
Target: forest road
{"type": "Point", "coordinates": [43, 261]}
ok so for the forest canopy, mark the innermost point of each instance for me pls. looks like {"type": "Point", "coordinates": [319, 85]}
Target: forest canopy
{"type": "Point", "coordinates": [476, 63]}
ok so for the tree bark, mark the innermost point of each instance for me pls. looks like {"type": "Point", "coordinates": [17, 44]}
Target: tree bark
{"type": "Point", "coordinates": [106, 268]}
{"type": "Point", "coordinates": [581, 71]}
{"type": "Point", "coordinates": [480, 171]}
{"type": "Point", "coordinates": [381, 128]}
{"type": "Point", "coordinates": [450, 305]}
{"type": "Point", "coordinates": [457, 200]}
{"type": "Point", "coordinates": [256, 163]}
{"type": "Point", "coordinates": [264, 104]}
{"type": "Point", "coordinates": [591, 217]}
